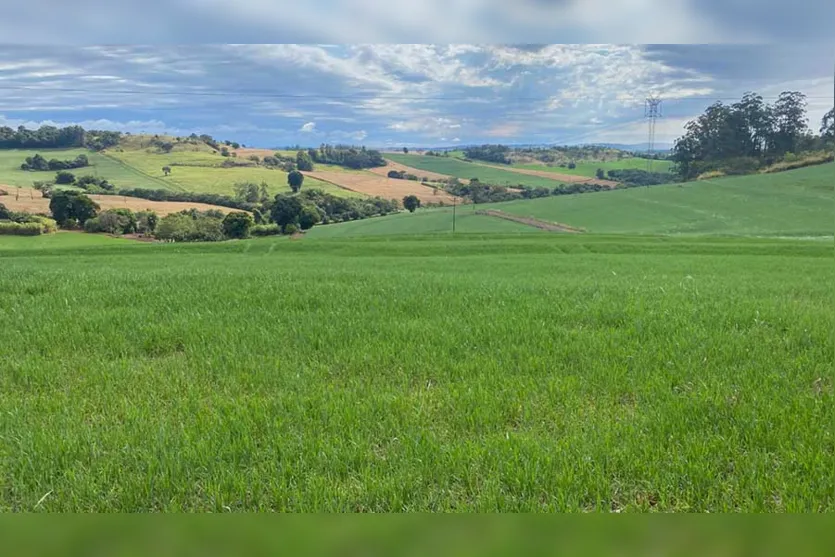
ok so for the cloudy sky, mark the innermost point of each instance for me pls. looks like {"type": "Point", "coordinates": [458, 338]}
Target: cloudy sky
{"type": "Point", "coordinates": [398, 94]}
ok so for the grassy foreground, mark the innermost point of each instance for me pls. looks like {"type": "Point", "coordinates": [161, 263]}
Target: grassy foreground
{"type": "Point", "coordinates": [533, 372]}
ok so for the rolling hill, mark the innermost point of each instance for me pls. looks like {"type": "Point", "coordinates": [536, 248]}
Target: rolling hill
{"type": "Point", "coordinates": [134, 165]}
{"type": "Point", "coordinates": [466, 170]}
{"type": "Point", "coordinates": [795, 203]}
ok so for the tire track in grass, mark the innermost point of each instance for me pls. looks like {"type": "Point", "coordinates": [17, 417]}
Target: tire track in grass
{"type": "Point", "coordinates": [530, 221]}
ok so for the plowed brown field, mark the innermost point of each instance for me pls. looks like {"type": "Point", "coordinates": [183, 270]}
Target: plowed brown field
{"type": "Point", "coordinates": [389, 188]}
{"type": "Point", "coordinates": [434, 176]}
{"type": "Point", "coordinates": [30, 201]}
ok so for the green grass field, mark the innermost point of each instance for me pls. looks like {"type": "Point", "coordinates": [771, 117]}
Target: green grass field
{"type": "Point", "coordinates": [796, 203]}
{"type": "Point", "coordinates": [524, 372]}
{"type": "Point", "coordinates": [589, 168]}
{"type": "Point", "coordinates": [213, 179]}
{"type": "Point", "coordinates": [100, 165]}
{"type": "Point", "coordinates": [465, 170]}
{"type": "Point", "coordinates": [423, 222]}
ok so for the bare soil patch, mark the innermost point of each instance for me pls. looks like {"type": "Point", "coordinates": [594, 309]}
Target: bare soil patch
{"type": "Point", "coordinates": [433, 176]}
{"type": "Point", "coordinates": [245, 152]}
{"type": "Point", "coordinates": [530, 221]}
{"type": "Point", "coordinates": [31, 201]}
{"type": "Point", "coordinates": [376, 185]}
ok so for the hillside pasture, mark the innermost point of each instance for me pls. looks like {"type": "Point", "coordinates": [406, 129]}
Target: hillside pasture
{"type": "Point", "coordinates": [101, 165]}
{"type": "Point", "coordinates": [201, 171]}
{"type": "Point", "coordinates": [589, 168]}
{"type": "Point", "coordinates": [30, 201]}
{"type": "Point", "coordinates": [465, 170]}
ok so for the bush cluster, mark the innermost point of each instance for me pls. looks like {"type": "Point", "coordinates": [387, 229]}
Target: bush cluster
{"type": "Point", "coordinates": [402, 175]}
{"type": "Point", "coordinates": [24, 224]}
{"type": "Point", "coordinates": [38, 163]}
{"type": "Point", "coordinates": [191, 226]}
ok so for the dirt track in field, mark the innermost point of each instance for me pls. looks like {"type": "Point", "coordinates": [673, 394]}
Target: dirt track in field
{"type": "Point", "coordinates": [376, 185]}
{"type": "Point", "coordinates": [30, 201]}
{"type": "Point", "coordinates": [566, 178]}
{"type": "Point", "coordinates": [530, 221]}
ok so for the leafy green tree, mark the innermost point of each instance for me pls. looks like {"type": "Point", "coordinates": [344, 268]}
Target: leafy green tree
{"type": "Point", "coordinates": [166, 170]}
{"type": "Point", "coordinates": [303, 161]}
{"type": "Point", "coordinates": [146, 222]}
{"type": "Point", "coordinates": [405, 150]}
{"type": "Point", "coordinates": [237, 224]}
{"type": "Point", "coordinates": [68, 207]}
{"type": "Point", "coordinates": [247, 191]}
{"type": "Point", "coordinates": [828, 125]}
{"type": "Point", "coordinates": [295, 179]}
{"type": "Point", "coordinates": [600, 174]}
{"type": "Point", "coordinates": [235, 145]}
{"type": "Point", "coordinates": [572, 165]}
{"type": "Point", "coordinates": [64, 177]}
{"type": "Point", "coordinates": [286, 210]}
{"type": "Point", "coordinates": [411, 203]}
{"type": "Point", "coordinates": [309, 216]}
{"type": "Point", "coordinates": [5, 214]}
{"type": "Point", "coordinates": [224, 151]}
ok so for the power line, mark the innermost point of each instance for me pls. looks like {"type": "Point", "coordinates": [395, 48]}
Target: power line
{"type": "Point", "coordinates": [360, 96]}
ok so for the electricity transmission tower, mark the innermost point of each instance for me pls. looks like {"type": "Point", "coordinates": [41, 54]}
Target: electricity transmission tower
{"type": "Point", "coordinates": [652, 111]}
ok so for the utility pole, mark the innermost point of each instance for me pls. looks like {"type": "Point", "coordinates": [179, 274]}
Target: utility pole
{"type": "Point", "coordinates": [453, 214]}
{"type": "Point", "coordinates": [652, 111]}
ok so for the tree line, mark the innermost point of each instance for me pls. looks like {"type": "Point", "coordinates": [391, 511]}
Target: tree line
{"type": "Point", "coordinates": [747, 135]}
{"type": "Point", "coordinates": [52, 137]}
{"type": "Point", "coordinates": [489, 153]}
{"type": "Point", "coordinates": [38, 162]}
{"type": "Point", "coordinates": [346, 155]}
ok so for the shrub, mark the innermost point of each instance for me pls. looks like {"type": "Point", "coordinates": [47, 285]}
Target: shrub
{"type": "Point", "coordinates": [4, 212]}
{"type": "Point", "coordinates": [64, 177]}
{"type": "Point", "coordinates": [190, 226]}
{"type": "Point", "coordinates": [265, 230]}
{"type": "Point", "coordinates": [799, 162]}
{"type": "Point", "coordinates": [237, 224]}
{"type": "Point", "coordinates": [396, 174]}
{"type": "Point", "coordinates": [710, 175]}
{"type": "Point", "coordinates": [113, 221]}
{"type": "Point", "coordinates": [146, 222]}
{"type": "Point", "coordinates": [94, 184]}
{"type": "Point", "coordinates": [291, 228]}
{"type": "Point", "coordinates": [20, 229]}
{"type": "Point", "coordinates": [309, 216]}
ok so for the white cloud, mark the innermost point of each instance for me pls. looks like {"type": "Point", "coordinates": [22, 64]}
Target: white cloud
{"type": "Point", "coordinates": [308, 127]}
